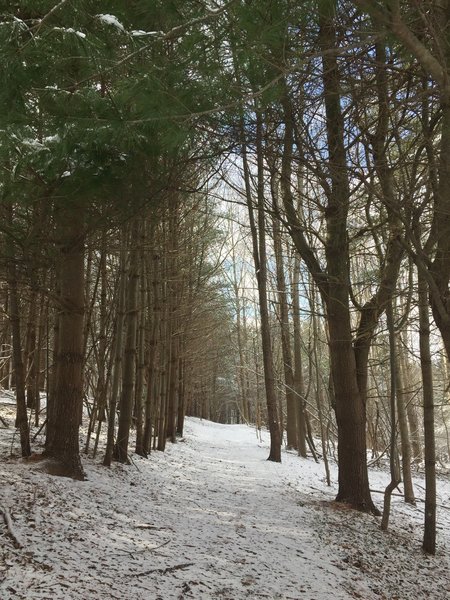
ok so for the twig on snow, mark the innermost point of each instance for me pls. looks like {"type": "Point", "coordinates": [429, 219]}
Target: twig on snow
{"type": "Point", "coordinates": [10, 527]}
{"type": "Point", "coordinates": [163, 571]}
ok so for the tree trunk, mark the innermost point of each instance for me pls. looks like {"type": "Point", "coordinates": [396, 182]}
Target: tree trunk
{"type": "Point", "coordinates": [68, 400]}
{"type": "Point", "coordinates": [403, 427]}
{"type": "Point", "coordinates": [173, 333]}
{"type": "Point", "coordinates": [318, 385]}
{"type": "Point", "coordinates": [103, 371]}
{"type": "Point", "coordinates": [258, 232]}
{"type": "Point", "coordinates": [31, 350]}
{"type": "Point", "coordinates": [429, 537]}
{"type": "Point", "coordinates": [409, 400]}
{"type": "Point", "coordinates": [19, 370]}
{"type": "Point", "coordinates": [181, 396]}
{"type": "Point", "coordinates": [117, 349]}
{"type": "Point", "coordinates": [52, 373]}
{"type": "Point", "coordinates": [154, 313]}
{"type": "Point", "coordinates": [291, 418]}
{"type": "Point", "coordinates": [141, 366]}
{"type": "Point", "coordinates": [99, 404]}
{"type": "Point", "coordinates": [163, 359]}
{"type": "Point", "coordinates": [394, 466]}
{"type": "Point", "coordinates": [298, 362]}
{"type": "Point", "coordinates": [127, 396]}
{"type": "Point", "coordinates": [350, 407]}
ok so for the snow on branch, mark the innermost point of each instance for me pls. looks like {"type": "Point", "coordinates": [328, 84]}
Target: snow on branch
{"type": "Point", "coordinates": [110, 20]}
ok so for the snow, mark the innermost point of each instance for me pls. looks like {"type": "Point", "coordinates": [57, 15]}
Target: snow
{"type": "Point", "coordinates": [142, 33]}
{"type": "Point", "coordinates": [79, 34]}
{"type": "Point", "coordinates": [210, 518]}
{"type": "Point", "coordinates": [111, 20]}
{"type": "Point", "coordinates": [33, 143]}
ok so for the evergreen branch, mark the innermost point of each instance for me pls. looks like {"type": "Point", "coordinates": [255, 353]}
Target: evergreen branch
{"type": "Point", "coordinates": [162, 36]}
{"type": "Point", "coordinates": [41, 22]}
{"type": "Point", "coordinates": [202, 113]}
{"type": "Point", "coordinates": [223, 107]}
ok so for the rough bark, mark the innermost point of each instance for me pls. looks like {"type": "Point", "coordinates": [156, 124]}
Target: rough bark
{"type": "Point", "coordinates": [350, 407]}
{"type": "Point", "coordinates": [68, 394]}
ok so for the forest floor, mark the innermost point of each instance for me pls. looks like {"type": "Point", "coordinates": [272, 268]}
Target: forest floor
{"type": "Point", "coordinates": [209, 519]}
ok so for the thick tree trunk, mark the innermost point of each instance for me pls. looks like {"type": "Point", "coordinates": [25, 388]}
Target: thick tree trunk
{"type": "Point", "coordinates": [68, 399]}
{"type": "Point", "coordinates": [350, 407]}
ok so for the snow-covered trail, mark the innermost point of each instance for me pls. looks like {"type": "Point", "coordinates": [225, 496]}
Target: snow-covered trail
{"type": "Point", "coordinates": [208, 519]}
{"type": "Point", "coordinates": [244, 527]}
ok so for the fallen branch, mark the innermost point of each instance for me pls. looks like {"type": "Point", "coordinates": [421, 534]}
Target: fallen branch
{"type": "Point", "coordinates": [39, 430]}
{"type": "Point", "coordinates": [163, 571]}
{"type": "Point", "coordinates": [153, 527]}
{"type": "Point", "coordinates": [10, 527]}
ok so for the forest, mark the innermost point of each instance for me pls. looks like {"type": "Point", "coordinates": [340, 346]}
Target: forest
{"type": "Point", "coordinates": [234, 211]}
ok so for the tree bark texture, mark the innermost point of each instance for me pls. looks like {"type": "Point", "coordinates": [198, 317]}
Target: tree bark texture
{"type": "Point", "coordinates": [68, 400]}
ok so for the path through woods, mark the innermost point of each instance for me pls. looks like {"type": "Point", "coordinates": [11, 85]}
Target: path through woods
{"type": "Point", "coordinates": [211, 518]}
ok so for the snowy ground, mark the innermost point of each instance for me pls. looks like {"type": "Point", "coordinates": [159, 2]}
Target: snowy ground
{"type": "Point", "coordinates": [209, 519]}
